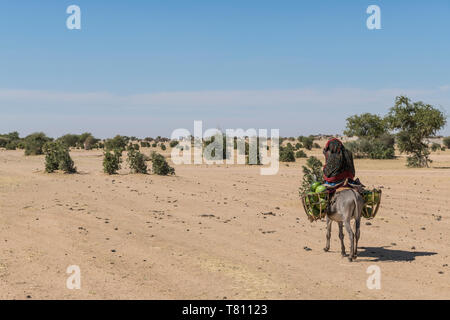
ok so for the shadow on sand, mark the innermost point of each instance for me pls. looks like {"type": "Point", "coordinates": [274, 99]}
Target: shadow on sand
{"type": "Point", "coordinates": [385, 254]}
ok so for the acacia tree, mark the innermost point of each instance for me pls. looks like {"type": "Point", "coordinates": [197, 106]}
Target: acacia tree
{"type": "Point", "coordinates": [366, 125]}
{"type": "Point", "coordinates": [414, 122]}
{"type": "Point", "coordinates": [374, 141]}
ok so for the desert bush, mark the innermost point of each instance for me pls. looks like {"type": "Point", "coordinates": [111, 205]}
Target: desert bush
{"type": "Point", "coordinates": [145, 144]}
{"type": "Point", "coordinates": [57, 157]}
{"type": "Point", "coordinates": [12, 145]}
{"type": "Point", "coordinates": [90, 142]}
{"type": "Point", "coordinates": [316, 145]}
{"type": "Point", "coordinates": [435, 147]}
{"type": "Point", "coordinates": [300, 154]}
{"type": "Point", "coordinates": [163, 147]}
{"type": "Point", "coordinates": [70, 140]}
{"type": "Point", "coordinates": [112, 161]}
{"type": "Point", "coordinates": [160, 165]}
{"type": "Point", "coordinates": [10, 141]}
{"type": "Point", "coordinates": [307, 142]}
{"type": "Point", "coordinates": [117, 143]}
{"type": "Point", "coordinates": [35, 142]}
{"type": "Point", "coordinates": [173, 143]}
{"type": "Point", "coordinates": [133, 146]}
{"type": "Point", "coordinates": [287, 154]}
{"type": "Point", "coordinates": [373, 148]}
{"type": "Point", "coordinates": [136, 161]}
{"type": "Point", "coordinates": [154, 145]}
{"type": "Point", "coordinates": [298, 146]}
{"type": "Point", "coordinates": [446, 142]}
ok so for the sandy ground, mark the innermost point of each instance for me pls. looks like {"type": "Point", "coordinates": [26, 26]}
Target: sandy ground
{"type": "Point", "coordinates": [202, 234]}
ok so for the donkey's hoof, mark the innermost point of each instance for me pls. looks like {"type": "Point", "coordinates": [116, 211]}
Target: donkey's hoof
{"type": "Point", "coordinates": [326, 249]}
{"type": "Point", "coordinates": [350, 259]}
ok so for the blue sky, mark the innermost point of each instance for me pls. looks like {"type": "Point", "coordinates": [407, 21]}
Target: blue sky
{"type": "Point", "coordinates": [145, 68]}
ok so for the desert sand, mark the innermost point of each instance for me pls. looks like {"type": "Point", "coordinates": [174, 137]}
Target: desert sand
{"type": "Point", "coordinates": [214, 232]}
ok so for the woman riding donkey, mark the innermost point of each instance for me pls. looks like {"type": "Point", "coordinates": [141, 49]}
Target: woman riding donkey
{"type": "Point", "coordinates": [345, 202]}
{"type": "Point", "coordinates": [339, 165]}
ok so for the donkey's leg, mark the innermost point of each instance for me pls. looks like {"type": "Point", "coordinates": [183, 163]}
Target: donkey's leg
{"type": "Point", "coordinates": [348, 227]}
{"type": "Point", "coordinates": [329, 222]}
{"type": "Point", "coordinates": [341, 236]}
{"type": "Point", "coordinates": [357, 234]}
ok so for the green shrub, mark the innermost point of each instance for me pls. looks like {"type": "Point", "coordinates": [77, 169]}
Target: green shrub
{"type": "Point", "coordinates": [90, 142]}
{"type": "Point", "coordinates": [136, 161]}
{"type": "Point", "coordinates": [435, 147]}
{"type": "Point", "coordinates": [316, 145]}
{"type": "Point", "coordinates": [173, 143]}
{"type": "Point", "coordinates": [300, 154]}
{"type": "Point", "coordinates": [160, 165]}
{"type": "Point", "coordinates": [163, 147]}
{"type": "Point", "coordinates": [298, 146]}
{"type": "Point", "coordinates": [12, 145]}
{"type": "Point", "coordinates": [133, 146]}
{"type": "Point", "coordinates": [112, 161]}
{"type": "Point", "coordinates": [118, 143]}
{"type": "Point", "coordinates": [307, 142]}
{"type": "Point", "coordinates": [154, 145]}
{"type": "Point", "coordinates": [446, 142]}
{"type": "Point", "coordinates": [145, 144]}
{"type": "Point", "coordinates": [415, 161]}
{"type": "Point", "coordinates": [373, 148]}
{"type": "Point", "coordinates": [287, 155]}
{"type": "Point", "coordinates": [35, 142]}
{"type": "Point", "coordinates": [10, 141]}
{"type": "Point", "coordinates": [70, 140]}
{"type": "Point", "coordinates": [57, 157]}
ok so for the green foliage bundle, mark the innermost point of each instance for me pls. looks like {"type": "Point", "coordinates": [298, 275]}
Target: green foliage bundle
{"type": "Point", "coordinates": [312, 172]}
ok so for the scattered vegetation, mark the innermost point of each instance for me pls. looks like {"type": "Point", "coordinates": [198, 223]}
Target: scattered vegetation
{"type": "Point", "coordinates": [307, 142]}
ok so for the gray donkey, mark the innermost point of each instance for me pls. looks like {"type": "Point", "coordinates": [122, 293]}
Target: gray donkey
{"type": "Point", "coordinates": [345, 206]}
